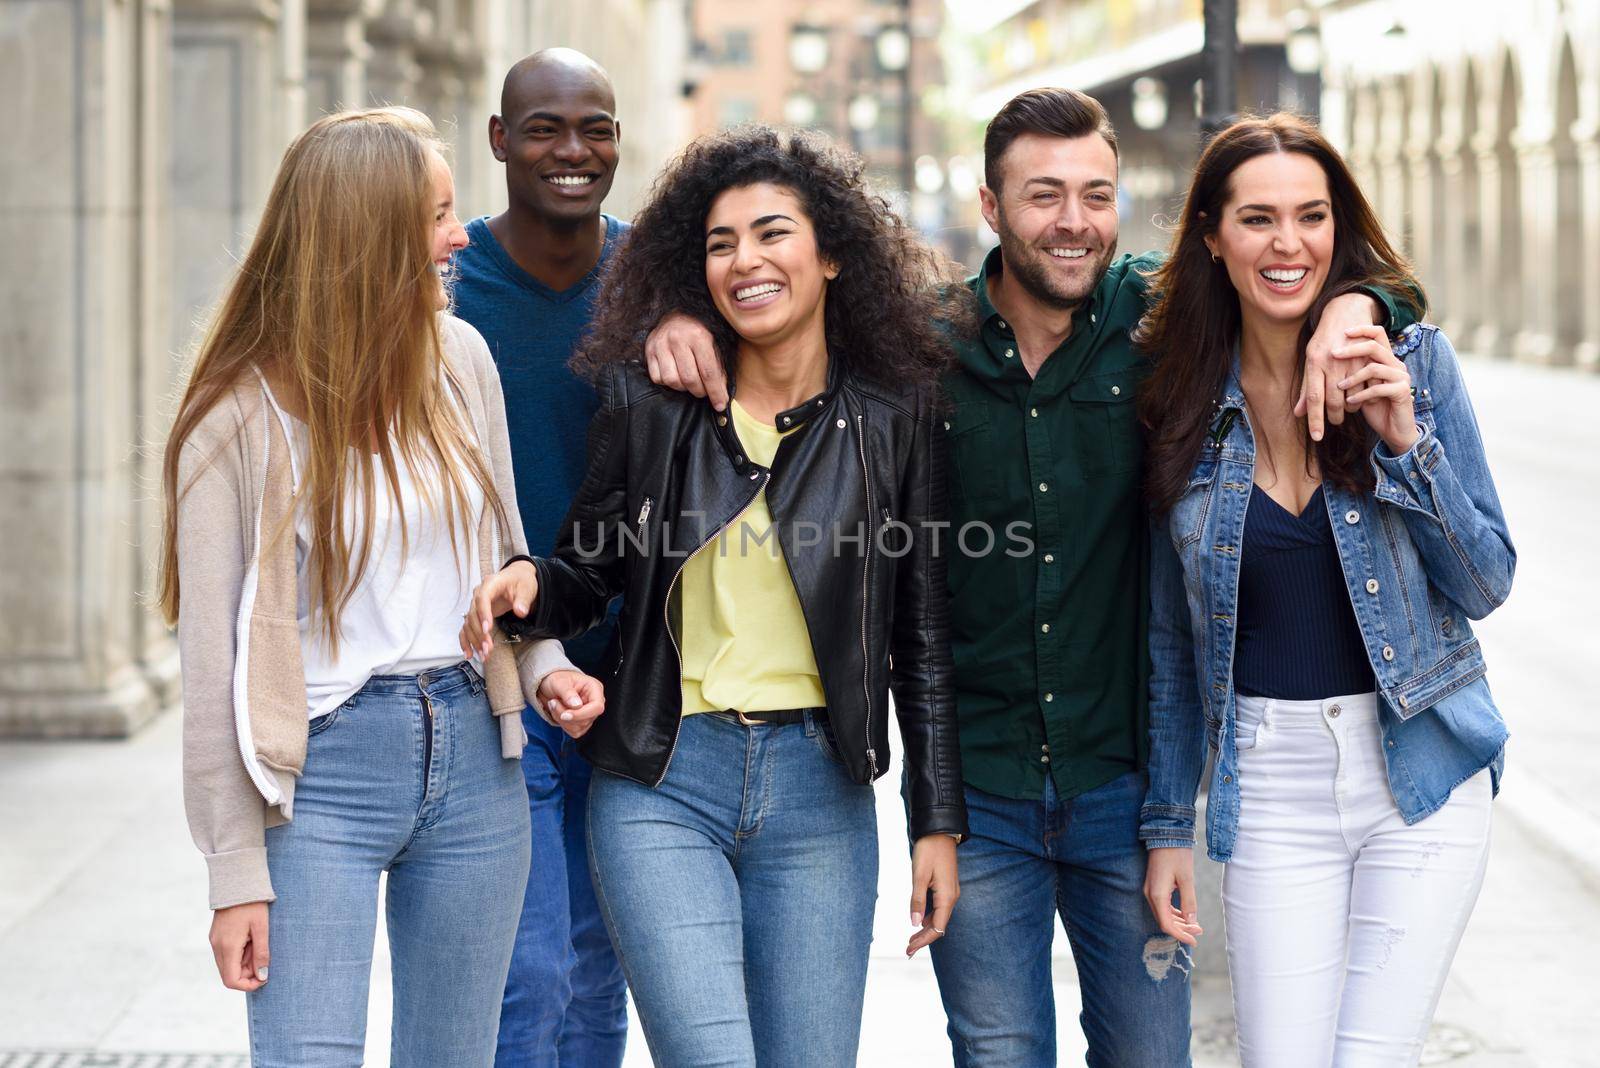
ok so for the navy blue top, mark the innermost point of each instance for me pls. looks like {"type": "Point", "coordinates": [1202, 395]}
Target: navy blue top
{"type": "Point", "coordinates": [1297, 639]}
{"type": "Point", "coordinates": [532, 332]}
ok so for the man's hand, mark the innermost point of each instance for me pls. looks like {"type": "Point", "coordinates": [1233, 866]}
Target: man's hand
{"type": "Point", "coordinates": [239, 945]}
{"type": "Point", "coordinates": [933, 869]}
{"type": "Point", "coordinates": [1168, 870]}
{"type": "Point", "coordinates": [572, 700]}
{"type": "Point", "coordinates": [681, 354]}
{"type": "Point", "coordinates": [511, 589]}
{"type": "Point", "coordinates": [1321, 400]}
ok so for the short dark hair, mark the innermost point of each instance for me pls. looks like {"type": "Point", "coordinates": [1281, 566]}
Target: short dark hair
{"type": "Point", "coordinates": [1051, 112]}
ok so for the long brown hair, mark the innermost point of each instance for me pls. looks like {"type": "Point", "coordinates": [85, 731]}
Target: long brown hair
{"type": "Point", "coordinates": [336, 302]}
{"type": "Point", "coordinates": [1194, 322]}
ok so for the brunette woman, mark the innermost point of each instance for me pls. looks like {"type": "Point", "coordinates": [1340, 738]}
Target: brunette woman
{"type": "Point", "coordinates": [1310, 611]}
{"type": "Point", "coordinates": [337, 480]}
{"type": "Point", "coordinates": [773, 560]}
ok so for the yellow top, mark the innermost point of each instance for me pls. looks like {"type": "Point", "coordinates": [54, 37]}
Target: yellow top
{"type": "Point", "coordinates": [745, 643]}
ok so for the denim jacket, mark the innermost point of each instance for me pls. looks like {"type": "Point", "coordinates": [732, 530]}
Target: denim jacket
{"type": "Point", "coordinates": [1422, 553]}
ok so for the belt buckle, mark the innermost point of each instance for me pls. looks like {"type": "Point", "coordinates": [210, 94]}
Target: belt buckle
{"type": "Point", "coordinates": [746, 720]}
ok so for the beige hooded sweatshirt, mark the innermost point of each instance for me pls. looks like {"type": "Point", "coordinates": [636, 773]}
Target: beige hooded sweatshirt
{"type": "Point", "coordinates": [244, 700]}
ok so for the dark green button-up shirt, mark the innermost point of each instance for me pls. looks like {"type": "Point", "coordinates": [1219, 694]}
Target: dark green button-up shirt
{"type": "Point", "coordinates": [1049, 639]}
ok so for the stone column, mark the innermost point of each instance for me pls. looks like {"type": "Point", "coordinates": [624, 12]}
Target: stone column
{"type": "Point", "coordinates": [84, 344]}
{"type": "Point", "coordinates": [337, 53]}
{"type": "Point", "coordinates": [1499, 298]}
{"type": "Point", "coordinates": [1587, 135]}
{"type": "Point", "coordinates": [229, 131]}
{"type": "Point", "coordinates": [1393, 192]}
{"type": "Point", "coordinates": [393, 71]}
{"type": "Point", "coordinates": [1460, 257]}
{"type": "Point", "coordinates": [1534, 338]}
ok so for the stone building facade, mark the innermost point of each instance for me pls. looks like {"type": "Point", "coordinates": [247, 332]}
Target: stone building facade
{"type": "Point", "coordinates": [1475, 125]}
{"type": "Point", "coordinates": [143, 137]}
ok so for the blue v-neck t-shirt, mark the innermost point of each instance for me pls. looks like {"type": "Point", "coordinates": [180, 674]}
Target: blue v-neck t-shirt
{"type": "Point", "coordinates": [532, 331]}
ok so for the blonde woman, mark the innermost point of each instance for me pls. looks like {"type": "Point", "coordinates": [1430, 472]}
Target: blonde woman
{"type": "Point", "coordinates": [337, 480]}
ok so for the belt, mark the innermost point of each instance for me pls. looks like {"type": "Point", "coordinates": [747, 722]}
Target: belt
{"type": "Point", "coordinates": [776, 717]}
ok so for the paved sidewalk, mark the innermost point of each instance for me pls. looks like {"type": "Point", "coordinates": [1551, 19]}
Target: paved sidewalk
{"type": "Point", "coordinates": [103, 955]}
{"type": "Point", "coordinates": [103, 938]}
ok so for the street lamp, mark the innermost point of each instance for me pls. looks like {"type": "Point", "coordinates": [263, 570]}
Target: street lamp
{"type": "Point", "coordinates": [1303, 48]}
{"type": "Point", "coordinates": [1149, 103]}
{"type": "Point", "coordinates": [862, 113]}
{"type": "Point", "coordinates": [800, 110]}
{"type": "Point", "coordinates": [1221, 65]}
{"type": "Point", "coordinates": [893, 47]}
{"type": "Point", "coordinates": [808, 49]}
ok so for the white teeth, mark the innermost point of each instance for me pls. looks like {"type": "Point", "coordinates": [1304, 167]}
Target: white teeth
{"type": "Point", "coordinates": [1284, 277]}
{"type": "Point", "coordinates": [570, 179]}
{"type": "Point", "coordinates": [753, 292]}
{"type": "Point", "coordinates": [1068, 253]}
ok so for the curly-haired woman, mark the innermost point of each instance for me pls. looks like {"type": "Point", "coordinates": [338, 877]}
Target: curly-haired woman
{"type": "Point", "coordinates": [780, 576]}
{"type": "Point", "coordinates": [1309, 608]}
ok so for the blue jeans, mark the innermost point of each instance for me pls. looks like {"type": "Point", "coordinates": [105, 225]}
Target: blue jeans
{"type": "Point", "coordinates": [404, 777]}
{"type": "Point", "coordinates": [1025, 862]}
{"type": "Point", "coordinates": [565, 1001]}
{"type": "Point", "coordinates": [740, 895]}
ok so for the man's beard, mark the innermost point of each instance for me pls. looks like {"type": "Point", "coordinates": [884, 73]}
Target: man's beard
{"type": "Point", "coordinates": [1030, 267]}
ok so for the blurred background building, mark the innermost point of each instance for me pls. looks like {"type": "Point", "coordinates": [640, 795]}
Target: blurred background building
{"type": "Point", "coordinates": [145, 133]}
{"type": "Point", "coordinates": [144, 136]}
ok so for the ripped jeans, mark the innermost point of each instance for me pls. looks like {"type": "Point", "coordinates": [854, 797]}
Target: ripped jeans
{"type": "Point", "coordinates": [1342, 920]}
{"type": "Point", "coordinates": [1025, 862]}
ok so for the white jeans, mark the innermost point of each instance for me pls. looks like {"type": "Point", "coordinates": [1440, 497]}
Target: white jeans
{"type": "Point", "coordinates": [1342, 920]}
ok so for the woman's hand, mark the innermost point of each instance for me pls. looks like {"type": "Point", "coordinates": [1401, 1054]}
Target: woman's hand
{"type": "Point", "coordinates": [239, 944]}
{"type": "Point", "coordinates": [681, 354]}
{"type": "Point", "coordinates": [933, 869]}
{"type": "Point", "coordinates": [1328, 353]}
{"type": "Point", "coordinates": [573, 700]}
{"type": "Point", "coordinates": [1167, 870]}
{"type": "Point", "coordinates": [1382, 389]}
{"type": "Point", "coordinates": [511, 589]}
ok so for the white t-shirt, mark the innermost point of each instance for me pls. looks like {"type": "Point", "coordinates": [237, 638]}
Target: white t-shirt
{"type": "Point", "coordinates": [405, 612]}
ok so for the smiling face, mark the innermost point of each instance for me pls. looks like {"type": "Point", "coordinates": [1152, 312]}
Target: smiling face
{"type": "Point", "coordinates": [1275, 235]}
{"type": "Point", "coordinates": [558, 138]}
{"type": "Point", "coordinates": [1056, 214]}
{"type": "Point", "coordinates": [449, 236]}
{"type": "Point", "coordinates": [763, 268]}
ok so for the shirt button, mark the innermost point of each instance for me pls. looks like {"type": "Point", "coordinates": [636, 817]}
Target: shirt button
{"type": "Point", "coordinates": [1334, 711]}
{"type": "Point", "coordinates": [786, 420]}
{"type": "Point", "coordinates": [1388, 652]}
{"type": "Point", "coordinates": [722, 420]}
{"type": "Point", "coordinates": [1044, 487]}
{"type": "Point", "coordinates": [840, 424]}
{"type": "Point", "coordinates": [1372, 585]}
{"type": "Point", "coordinates": [1091, 317]}
{"type": "Point", "coordinates": [1044, 760]}
{"type": "Point", "coordinates": [1045, 748]}
{"type": "Point", "coordinates": [1049, 558]}
{"type": "Point", "coordinates": [947, 424]}
{"type": "Point", "coordinates": [1227, 778]}
{"type": "Point", "coordinates": [1391, 743]}
{"type": "Point", "coordinates": [1045, 628]}
{"type": "Point", "coordinates": [1049, 697]}
{"type": "Point", "coordinates": [1010, 353]}
{"type": "Point", "coordinates": [1116, 391]}
{"type": "Point", "coordinates": [1001, 323]}
{"type": "Point", "coordinates": [1352, 517]}
{"type": "Point", "coordinates": [1034, 412]}
{"type": "Point", "coordinates": [1405, 702]}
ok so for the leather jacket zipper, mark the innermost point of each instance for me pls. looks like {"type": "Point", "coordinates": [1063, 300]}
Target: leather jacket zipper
{"type": "Point", "coordinates": [666, 609]}
{"type": "Point", "coordinates": [866, 586]}
{"type": "Point", "coordinates": [644, 514]}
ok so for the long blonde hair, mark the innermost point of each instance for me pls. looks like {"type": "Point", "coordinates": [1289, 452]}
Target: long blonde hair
{"type": "Point", "coordinates": [337, 302]}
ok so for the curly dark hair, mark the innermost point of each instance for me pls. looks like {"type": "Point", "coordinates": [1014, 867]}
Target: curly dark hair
{"type": "Point", "coordinates": [890, 312]}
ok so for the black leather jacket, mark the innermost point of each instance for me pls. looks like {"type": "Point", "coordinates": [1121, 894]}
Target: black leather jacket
{"type": "Point", "coordinates": [666, 474]}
